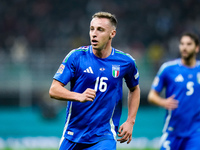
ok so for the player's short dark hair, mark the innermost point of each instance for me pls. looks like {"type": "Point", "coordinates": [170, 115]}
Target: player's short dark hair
{"type": "Point", "coordinates": [193, 36]}
{"type": "Point", "coordinates": [107, 15]}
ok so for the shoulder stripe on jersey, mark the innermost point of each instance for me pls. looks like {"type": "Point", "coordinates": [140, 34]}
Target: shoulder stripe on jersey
{"type": "Point", "coordinates": [120, 52]}
{"type": "Point", "coordinates": [66, 58]}
{"type": "Point", "coordinates": [130, 56]}
{"type": "Point", "coordinates": [85, 49]}
{"type": "Point", "coordinates": [198, 63]}
{"type": "Point", "coordinates": [167, 64]}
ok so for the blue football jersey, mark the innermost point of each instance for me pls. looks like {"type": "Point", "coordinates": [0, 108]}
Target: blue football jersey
{"type": "Point", "coordinates": [184, 83]}
{"type": "Point", "coordinates": [91, 122]}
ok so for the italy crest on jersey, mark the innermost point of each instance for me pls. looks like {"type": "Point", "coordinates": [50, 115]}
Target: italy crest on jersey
{"type": "Point", "coordinates": [198, 77]}
{"type": "Point", "coordinates": [115, 71]}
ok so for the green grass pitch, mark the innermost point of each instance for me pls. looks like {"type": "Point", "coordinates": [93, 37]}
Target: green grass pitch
{"type": "Point", "coordinates": [56, 149]}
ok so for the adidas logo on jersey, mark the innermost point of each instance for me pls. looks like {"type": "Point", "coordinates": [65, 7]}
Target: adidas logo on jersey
{"type": "Point", "coordinates": [89, 70]}
{"type": "Point", "coordinates": [179, 78]}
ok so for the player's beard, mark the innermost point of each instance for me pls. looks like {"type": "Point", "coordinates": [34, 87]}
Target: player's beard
{"type": "Point", "coordinates": [188, 56]}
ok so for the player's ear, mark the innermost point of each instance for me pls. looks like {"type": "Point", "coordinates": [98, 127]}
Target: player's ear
{"type": "Point", "coordinates": [197, 49]}
{"type": "Point", "coordinates": [112, 34]}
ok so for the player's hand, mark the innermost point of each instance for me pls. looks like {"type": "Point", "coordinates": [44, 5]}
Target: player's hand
{"type": "Point", "coordinates": [125, 132]}
{"type": "Point", "coordinates": [87, 95]}
{"type": "Point", "coordinates": [170, 103]}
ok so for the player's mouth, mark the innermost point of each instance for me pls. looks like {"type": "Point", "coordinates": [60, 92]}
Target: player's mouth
{"type": "Point", "coordinates": [94, 42]}
{"type": "Point", "coordinates": [184, 52]}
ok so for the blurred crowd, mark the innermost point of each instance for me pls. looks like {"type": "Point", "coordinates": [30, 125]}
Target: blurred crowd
{"type": "Point", "coordinates": [38, 32]}
{"type": "Point", "coordinates": [65, 23]}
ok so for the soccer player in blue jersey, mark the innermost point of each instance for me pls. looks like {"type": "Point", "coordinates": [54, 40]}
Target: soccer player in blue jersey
{"type": "Point", "coordinates": [96, 74]}
{"type": "Point", "coordinates": [181, 78]}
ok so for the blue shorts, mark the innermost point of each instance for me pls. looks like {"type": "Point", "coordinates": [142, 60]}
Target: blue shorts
{"type": "Point", "coordinates": [101, 145]}
{"type": "Point", "coordinates": [180, 143]}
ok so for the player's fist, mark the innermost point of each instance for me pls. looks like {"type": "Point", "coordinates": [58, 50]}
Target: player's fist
{"type": "Point", "coordinates": [171, 103]}
{"type": "Point", "coordinates": [87, 95]}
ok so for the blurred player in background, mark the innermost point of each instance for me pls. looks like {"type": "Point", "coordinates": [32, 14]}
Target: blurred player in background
{"type": "Point", "coordinates": [96, 75]}
{"type": "Point", "coordinates": [181, 78]}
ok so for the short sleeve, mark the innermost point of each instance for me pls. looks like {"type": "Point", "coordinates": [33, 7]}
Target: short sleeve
{"type": "Point", "coordinates": [158, 82]}
{"type": "Point", "coordinates": [132, 75]}
{"type": "Point", "coordinates": [67, 69]}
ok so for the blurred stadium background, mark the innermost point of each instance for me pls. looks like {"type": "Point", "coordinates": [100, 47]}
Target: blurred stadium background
{"type": "Point", "coordinates": [35, 35]}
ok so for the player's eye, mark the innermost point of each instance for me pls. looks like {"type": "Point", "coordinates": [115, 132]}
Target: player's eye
{"type": "Point", "coordinates": [91, 28]}
{"type": "Point", "coordinates": [100, 29]}
{"type": "Point", "coordinates": [182, 43]}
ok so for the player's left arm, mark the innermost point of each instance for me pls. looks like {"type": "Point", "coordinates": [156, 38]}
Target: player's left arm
{"type": "Point", "coordinates": [126, 129]}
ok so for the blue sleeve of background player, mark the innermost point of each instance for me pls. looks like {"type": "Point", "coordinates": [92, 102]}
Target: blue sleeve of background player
{"type": "Point", "coordinates": [159, 80]}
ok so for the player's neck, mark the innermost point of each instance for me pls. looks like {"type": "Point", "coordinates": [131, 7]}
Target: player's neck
{"type": "Point", "coordinates": [189, 62]}
{"type": "Point", "coordinates": [103, 53]}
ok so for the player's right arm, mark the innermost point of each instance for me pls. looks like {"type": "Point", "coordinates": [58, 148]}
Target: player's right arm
{"type": "Point", "coordinates": [64, 74]}
{"type": "Point", "coordinates": [159, 82]}
{"type": "Point", "coordinates": [167, 103]}
{"type": "Point", "coordinates": [59, 92]}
